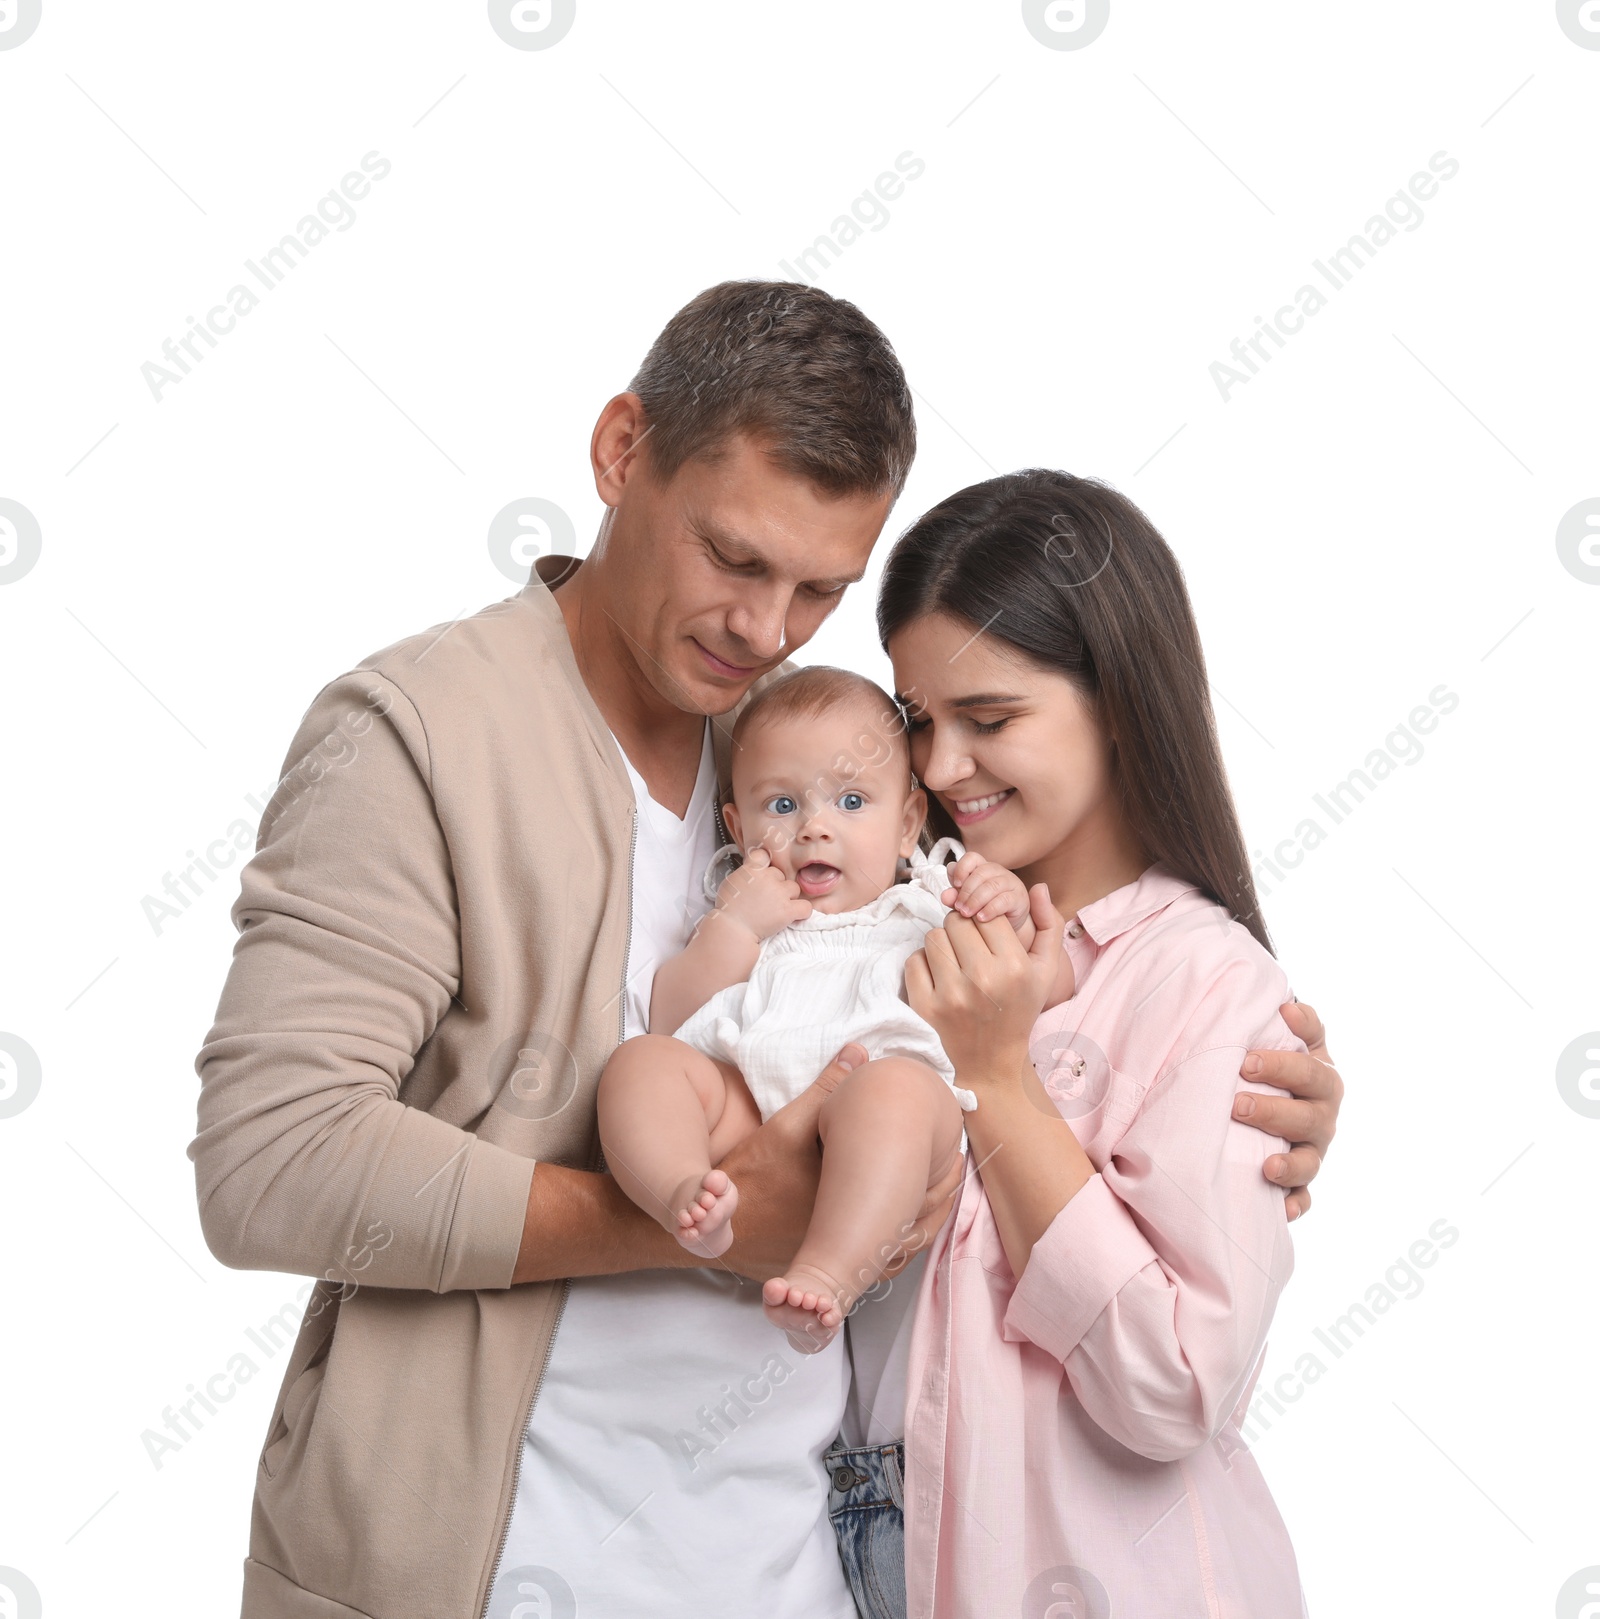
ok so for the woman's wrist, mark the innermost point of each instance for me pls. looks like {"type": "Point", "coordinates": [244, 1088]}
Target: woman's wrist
{"type": "Point", "coordinates": [997, 1069]}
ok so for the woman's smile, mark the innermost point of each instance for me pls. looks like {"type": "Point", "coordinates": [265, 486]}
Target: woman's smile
{"type": "Point", "coordinates": [969, 811]}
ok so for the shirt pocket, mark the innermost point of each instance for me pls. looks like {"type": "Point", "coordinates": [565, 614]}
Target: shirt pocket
{"type": "Point", "coordinates": [1096, 1099]}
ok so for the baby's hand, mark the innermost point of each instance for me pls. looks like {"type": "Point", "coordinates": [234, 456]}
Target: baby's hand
{"type": "Point", "coordinates": [760, 898]}
{"type": "Point", "coordinates": [985, 891]}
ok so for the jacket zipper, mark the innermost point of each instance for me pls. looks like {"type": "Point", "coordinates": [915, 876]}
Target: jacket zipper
{"type": "Point", "coordinates": [566, 1285]}
{"type": "Point", "coordinates": [516, 1466]}
{"type": "Point", "coordinates": [627, 949]}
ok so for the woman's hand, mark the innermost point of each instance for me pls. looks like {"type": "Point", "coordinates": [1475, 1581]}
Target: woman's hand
{"type": "Point", "coordinates": [1307, 1117]}
{"type": "Point", "coordinates": [982, 991]}
{"type": "Point", "coordinates": [984, 889]}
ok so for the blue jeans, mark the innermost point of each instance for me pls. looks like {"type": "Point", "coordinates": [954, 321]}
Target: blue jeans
{"type": "Point", "coordinates": [865, 1501]}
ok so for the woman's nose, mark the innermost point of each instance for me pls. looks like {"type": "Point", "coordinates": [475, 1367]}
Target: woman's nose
{"type": "Point", "coordinates": [944, 766]}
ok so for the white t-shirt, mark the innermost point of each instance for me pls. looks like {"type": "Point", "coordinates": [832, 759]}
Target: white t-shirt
{"type": "Point", "coordinates": [879, 1343]}
{"type": "Point", "coordinates": [672, 1463]}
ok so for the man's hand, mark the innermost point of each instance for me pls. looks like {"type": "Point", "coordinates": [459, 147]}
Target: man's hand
{"type": "Point", "coordinates": [776, 1169]}
{"type": "Point", "coordinates": [1307, 1117]}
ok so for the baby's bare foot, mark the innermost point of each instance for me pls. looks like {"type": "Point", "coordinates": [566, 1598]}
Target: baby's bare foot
{"type": "Point", "coordinates": [703, 1210]}
{"type": "Point", "coordinates": [805, 1304]}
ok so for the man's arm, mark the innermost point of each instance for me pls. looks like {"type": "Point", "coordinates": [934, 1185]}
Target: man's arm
{"type": "Point", "coordinates": [581, 1224]}
{"type": "Point", "coordinates": [348, 957]}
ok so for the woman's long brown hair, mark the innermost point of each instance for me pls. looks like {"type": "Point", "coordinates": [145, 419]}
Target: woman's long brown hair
{"type": "Point", "coordinates": [1074, 576]}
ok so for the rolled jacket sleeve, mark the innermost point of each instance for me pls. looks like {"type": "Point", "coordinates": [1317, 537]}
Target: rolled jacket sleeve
{"type": "Point", "coordinates": [1155, 1284]}
{"type": "Point", "coordinates": [349, 955]}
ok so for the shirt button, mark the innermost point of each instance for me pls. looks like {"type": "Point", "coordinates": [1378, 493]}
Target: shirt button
{"type": "Point", "coordinates": [1075, 931]}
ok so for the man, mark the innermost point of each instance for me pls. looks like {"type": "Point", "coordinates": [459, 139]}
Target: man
{"type": "Point", "coordinates": [486, 838]}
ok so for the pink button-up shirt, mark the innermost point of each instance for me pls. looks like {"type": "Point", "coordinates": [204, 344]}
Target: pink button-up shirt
{"type": "Point", "coordinates": [1072, 1439]}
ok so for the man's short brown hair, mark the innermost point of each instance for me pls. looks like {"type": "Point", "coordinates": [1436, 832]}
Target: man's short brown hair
{"type": "Point", "coordinates": [788, 364]}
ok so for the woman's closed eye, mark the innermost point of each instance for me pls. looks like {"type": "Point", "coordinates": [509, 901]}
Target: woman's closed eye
{"type": "Point", "coordinates": [982, 727]}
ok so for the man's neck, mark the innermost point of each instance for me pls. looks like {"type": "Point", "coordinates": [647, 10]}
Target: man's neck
{"type": "Point", "coordinates": [663, 742]}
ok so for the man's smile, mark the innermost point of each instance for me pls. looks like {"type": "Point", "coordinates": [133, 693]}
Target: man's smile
{"type": "Point", "coordinates": [721, 666]}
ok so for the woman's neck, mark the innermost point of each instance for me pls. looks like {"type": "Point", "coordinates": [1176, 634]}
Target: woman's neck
{"type": "Point", "coordinates": [1097, 858]}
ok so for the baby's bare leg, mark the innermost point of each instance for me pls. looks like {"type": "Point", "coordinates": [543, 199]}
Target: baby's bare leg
{"type": "Point", "coordinates": [667, 1113]}
{"type": "Point", "coordinates": [888, 1133]}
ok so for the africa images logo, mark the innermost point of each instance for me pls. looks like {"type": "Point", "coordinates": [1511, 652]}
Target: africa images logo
{"type": "Point", "coordinates": [1066, 25]}
{"type": "Point", "coordinates": [20, 540]}
{"type": "Point", "coordinates": [532, 25]}
{"type": "Point", "coordinates": [1580, 22]}
{"type": "Point", "coordinates": [18, 19]}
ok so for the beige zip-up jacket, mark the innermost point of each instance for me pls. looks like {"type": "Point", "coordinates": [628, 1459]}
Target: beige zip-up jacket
{"type": "Point", "coordinates": [427, 983]}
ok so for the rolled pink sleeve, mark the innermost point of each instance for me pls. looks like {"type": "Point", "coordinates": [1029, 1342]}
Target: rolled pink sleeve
{"type": "Point", "coordinates": [1154, 1286]}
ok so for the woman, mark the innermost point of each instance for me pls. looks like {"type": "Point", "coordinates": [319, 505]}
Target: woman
{"type": "Point", "coordinates": [1090, 1321]}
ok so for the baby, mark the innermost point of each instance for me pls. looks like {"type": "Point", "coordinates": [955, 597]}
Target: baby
{"type": "Point", "coordinates": [804, 951]}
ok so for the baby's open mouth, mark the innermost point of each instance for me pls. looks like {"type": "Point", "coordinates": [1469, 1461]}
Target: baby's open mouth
{"type": "Point", "coordinates": [817, 878]}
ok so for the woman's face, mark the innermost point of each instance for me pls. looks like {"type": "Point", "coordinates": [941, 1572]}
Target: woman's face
{"type": "Point", "coordinates": [1013, 750]}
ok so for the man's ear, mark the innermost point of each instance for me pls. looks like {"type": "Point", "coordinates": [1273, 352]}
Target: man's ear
{"type": "Point", "coordinates": [916, 814]}
{"type": "Point", "coordinates": [730, 819]}
{"type": "Point", "coordinates": [614, 447]}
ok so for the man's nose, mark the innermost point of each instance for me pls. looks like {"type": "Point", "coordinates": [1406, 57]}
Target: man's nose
{"type": "Point", "coordinates": [758, 622]}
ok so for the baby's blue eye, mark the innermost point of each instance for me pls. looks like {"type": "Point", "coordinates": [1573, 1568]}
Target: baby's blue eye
{"type": "Point", "coordinates": [782, 804]}
{"type": "Point", "coordinates": [852, 801]}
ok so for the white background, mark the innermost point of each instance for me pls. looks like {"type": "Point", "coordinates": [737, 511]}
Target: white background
{"type": "Point", "coordinates": [1374, 515]}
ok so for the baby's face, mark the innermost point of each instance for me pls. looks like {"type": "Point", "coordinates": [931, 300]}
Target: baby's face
{"type": "Point", "coordinates": [829, 797]}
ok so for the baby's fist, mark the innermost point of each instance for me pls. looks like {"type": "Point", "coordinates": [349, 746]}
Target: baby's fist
{"type": "Point", "coordinates": [759, 897]}
{"type": "Point", "coordinates": [986, 891]}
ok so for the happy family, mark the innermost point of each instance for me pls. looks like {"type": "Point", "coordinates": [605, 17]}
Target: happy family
{"type": "Point", "coordinates": [833, 1149]}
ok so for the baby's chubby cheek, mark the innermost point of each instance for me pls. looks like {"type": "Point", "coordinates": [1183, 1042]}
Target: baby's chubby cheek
{"type": "Point", "coordinates": [780, 850]}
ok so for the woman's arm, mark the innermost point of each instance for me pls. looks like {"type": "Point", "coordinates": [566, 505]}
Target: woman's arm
{"type": "Point", "coordinates": [982, 992]}
{"type": "Point", "coordinates": [1153, 1280]}
{"type": "Point", "coordinates": [1155, 1285]}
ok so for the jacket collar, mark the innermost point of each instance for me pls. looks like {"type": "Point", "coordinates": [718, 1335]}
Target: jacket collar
{"type": "Point", "coordinates": [538, 593]}
{"type": "Point", "coordinates": [551, 571]}
{"type": "Point", "coordinates": [1133, 903]}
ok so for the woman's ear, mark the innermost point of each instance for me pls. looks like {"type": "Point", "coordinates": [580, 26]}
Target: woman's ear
{"type": "Point", "coordinates": [730, 819]}
{"type": "Point", "coordinates": [916, 813]}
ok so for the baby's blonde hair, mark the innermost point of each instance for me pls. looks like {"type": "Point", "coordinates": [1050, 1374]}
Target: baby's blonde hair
{"type": "Point", "coordinates": [820, 689]}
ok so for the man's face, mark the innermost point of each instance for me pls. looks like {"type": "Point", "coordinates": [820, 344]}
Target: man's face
{"type": "Point", "coordinates": [728, 568]}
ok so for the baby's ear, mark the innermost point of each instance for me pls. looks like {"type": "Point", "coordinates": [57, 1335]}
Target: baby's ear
{"type": "Point", "coordinates": [730, 819]}
{"type": "Point", "coordinates": [916, 815]}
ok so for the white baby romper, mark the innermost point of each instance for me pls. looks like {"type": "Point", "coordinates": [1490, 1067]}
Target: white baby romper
{"type": "Point", "coordinates": [826, 981]}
